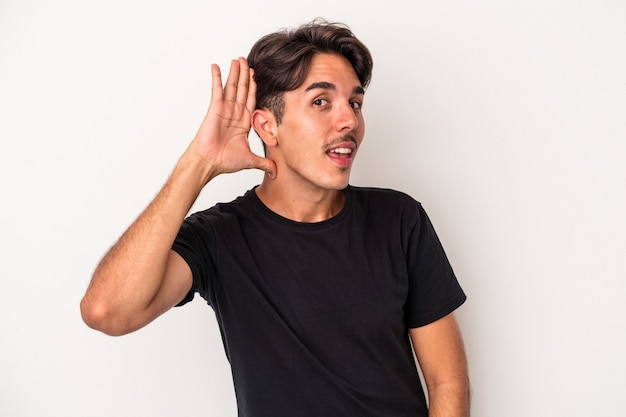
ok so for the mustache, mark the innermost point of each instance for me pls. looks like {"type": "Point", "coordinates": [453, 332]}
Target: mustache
{"type": "Point", "coordinates": [346, 137]}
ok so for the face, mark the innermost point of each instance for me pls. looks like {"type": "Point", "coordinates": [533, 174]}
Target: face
{"type": "Point", "coordinates": [322, 125]}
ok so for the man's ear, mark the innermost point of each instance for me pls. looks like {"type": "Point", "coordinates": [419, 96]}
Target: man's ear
{"type": "Point", "coordinates": [264, 124]}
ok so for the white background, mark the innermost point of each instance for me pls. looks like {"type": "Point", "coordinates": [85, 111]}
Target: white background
{"type": "Point", "coordinates": [505, 119]}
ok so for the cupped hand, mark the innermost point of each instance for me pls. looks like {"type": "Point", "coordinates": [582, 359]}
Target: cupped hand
{"type": "Point", "coordinates": [222, 140]}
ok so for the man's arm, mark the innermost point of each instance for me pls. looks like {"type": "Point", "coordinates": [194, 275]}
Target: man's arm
{"type": "Point", "coordinates": [441, 356]}
{"type": "Point", "coordinates": [141, 277]}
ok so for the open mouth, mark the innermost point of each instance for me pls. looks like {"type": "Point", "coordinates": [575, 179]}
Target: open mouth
{"type": "Point", "coordinates": [341, 152]}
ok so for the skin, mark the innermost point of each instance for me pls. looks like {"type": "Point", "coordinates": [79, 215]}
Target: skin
{"type": "Point", "coordinates": [140, 277]}
{"type": "Point", "coordinates": [439, 350]}
{"type": "Point", "coordinates": [323, 114]}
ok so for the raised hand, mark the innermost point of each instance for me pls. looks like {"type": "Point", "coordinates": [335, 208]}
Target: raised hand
{"type": "Point", "coordinates": [140, 277]}
{"type": "Point", "coordinates": [222, 140]}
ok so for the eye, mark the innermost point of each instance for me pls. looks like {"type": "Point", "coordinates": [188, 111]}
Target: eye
{"type": "Point", "coordinates": [320, 102]}
{"type": "Point", "coordinates": [356, 105]}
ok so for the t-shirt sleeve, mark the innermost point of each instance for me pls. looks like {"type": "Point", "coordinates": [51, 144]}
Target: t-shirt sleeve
{"type": "Point", "coordinates": [434, 290]}
{"type": "Point", "coordinates": [195, 243]}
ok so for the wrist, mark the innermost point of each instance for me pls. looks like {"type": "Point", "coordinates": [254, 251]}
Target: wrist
{"type": "Point", "coordinates": [196, 171]}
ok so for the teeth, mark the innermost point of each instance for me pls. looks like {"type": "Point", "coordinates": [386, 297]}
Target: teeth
{"type": "Point", "coordinates": [342, 150]}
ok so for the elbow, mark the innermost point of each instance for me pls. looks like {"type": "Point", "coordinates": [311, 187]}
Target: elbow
{"type": "Point", "coordinates": [99, 317]}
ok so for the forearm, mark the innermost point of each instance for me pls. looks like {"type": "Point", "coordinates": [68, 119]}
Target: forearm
{"type": "Point", "coordinates": [140, 277]}
{"type": "Point", "coordinates": [129, 276]}
{"type": "Point", "coordinates": [441, 356]}
{"type": "Point", "coordinates": [450, 400]}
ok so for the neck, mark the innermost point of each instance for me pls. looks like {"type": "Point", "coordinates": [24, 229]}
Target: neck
{"type": "Point", "coordinates": [300, 204]}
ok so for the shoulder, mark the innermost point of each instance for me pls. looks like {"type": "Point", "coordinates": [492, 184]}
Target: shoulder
{"type": "Point", "coordinates": [223, 212]}
{"type": "Point", "coordinates": [385, 198]}
{"type": "Point", "coordinates": [387, 207]}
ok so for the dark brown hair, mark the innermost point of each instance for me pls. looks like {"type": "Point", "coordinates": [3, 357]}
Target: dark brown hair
{"type": "Point", "coordinates": [281, 60]}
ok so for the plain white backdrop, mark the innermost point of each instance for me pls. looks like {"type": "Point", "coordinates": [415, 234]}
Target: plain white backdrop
{"type": "Point", "coordinates": [505, 119]}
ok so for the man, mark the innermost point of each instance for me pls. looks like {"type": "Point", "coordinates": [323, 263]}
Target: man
{"type": "Point", "coordinates": [320, 289]}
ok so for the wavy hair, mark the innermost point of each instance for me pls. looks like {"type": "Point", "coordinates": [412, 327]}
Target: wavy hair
{"type": "Point", "coordinates": [281, 60]}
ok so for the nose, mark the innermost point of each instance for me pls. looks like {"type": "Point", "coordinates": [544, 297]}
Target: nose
{"type": "Point", "coordinates": [347, 119]}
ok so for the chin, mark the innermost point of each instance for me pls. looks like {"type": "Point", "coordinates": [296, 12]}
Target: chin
{"type": "Point", "coordinates": [338, 184]}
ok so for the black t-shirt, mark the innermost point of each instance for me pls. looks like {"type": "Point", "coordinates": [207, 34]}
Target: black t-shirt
{"type": "Point", "coordinates": [314, 316]}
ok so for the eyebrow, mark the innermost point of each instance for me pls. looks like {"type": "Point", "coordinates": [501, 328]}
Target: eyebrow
{"type": "Point", "coordinates": [325, 85]}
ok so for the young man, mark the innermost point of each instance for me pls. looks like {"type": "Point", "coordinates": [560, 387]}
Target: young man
{"type": "Point", "coordinates": [320, 289]}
